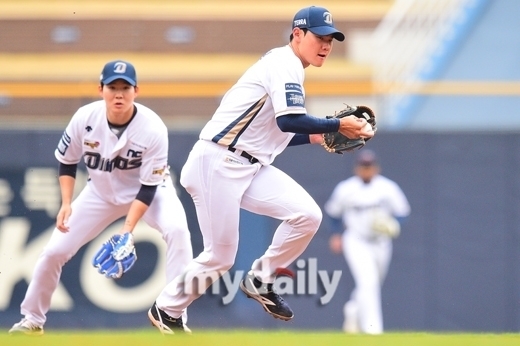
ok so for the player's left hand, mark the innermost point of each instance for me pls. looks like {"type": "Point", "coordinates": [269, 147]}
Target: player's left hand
{"type": "Point", "coordinates": [386, 224]}
{"type": "Point", "coordinates": [357, 125]}
{"type": "Point", "coordinates": [116, 256]}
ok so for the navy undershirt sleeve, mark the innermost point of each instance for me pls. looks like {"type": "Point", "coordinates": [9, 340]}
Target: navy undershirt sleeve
{"type": "Point", "coordinates": [401, 219]}
{"type": "Point", "coordinates": [146, 194]}
{"type": "Point", "coordinates": [69, 170]}
{"type": "Point", "coordinates": [336, 225]}
{"type": "Point", "coordinates": [308, 124]}
{"type": "Point", "coordinates": [299, 139]}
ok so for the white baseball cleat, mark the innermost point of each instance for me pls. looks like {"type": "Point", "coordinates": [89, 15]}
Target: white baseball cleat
{"type": "Point", "coordinates": [350, 324]}
{"type": "Point", "coordinates": [26, 327]}
{"type": "Point", "coordinates": [165, 323]}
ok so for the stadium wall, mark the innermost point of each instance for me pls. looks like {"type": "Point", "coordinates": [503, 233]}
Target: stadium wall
{"type": "Point", "coordinates": [454, 266]}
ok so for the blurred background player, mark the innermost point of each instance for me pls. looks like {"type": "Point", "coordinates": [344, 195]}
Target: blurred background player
{"type": "Point", "coordinates": [125, 148]}
{"type": "Point", "coordinates": [366, 211]}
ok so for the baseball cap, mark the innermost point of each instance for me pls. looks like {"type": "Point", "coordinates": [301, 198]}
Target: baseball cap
{"type": "Point", "coordinates": [318, 20]}
{"type": "Point", "coordinates": [366, 157]}
{"type": "Point", "coordinates": [118, 69]}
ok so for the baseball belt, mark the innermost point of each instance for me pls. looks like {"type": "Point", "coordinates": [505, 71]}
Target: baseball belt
{"type": "Point", "coordinates": [244, 154]}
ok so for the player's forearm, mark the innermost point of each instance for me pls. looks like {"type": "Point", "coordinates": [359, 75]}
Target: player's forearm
{"type": "Point", "coordinates": [67, 179]}
{"type": "Point", "coordinates": [302, 138]}
{"type": "Point", "coordinates": [304, 123]}
{"type": "Point", "coordinates": [139, 206]}
{"type": "Point", "coordinates": [136, 212]}
{"type": "Point", "coordinates": [67, 188]}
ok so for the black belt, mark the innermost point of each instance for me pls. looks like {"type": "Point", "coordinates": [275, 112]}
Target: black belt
{"type": "Point", "coordinates": [249, 157]}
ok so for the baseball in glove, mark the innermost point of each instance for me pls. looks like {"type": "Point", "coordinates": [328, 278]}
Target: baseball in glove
{"type": "Point", "coordinates": [335, 142]}
{"type": "Point", "coordinates": [116, 256]}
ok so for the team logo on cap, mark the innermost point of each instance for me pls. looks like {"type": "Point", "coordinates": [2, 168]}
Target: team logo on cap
{"type": "Point", "coordinates": [119, 67]}
{"type": "Point", "coordinates": [327, 18]}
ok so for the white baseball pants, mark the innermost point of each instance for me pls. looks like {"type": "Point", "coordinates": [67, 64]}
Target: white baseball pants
{"type": "Point", "coordinates": [220, 183]}
{"type": "Point", "coordinates": [90, 216]}
{"type": "Point", "coordinates": [368, 262]}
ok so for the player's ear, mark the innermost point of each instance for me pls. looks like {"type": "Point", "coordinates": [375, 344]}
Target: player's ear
{"type": "Point", "coordinates": [100, 90]}
{"type": "Point", "coordinates": [136, 90]}
{"type": "Point", "coordinates": [297, 33]}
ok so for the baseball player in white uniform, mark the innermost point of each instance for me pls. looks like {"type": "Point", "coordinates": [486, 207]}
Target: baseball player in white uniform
{"type": "Point", "coordinates": [124, 146]}
{"type": "Point", "coordinates": [229, 168]}
{"type": "Point", "coordinates": [366, 211]}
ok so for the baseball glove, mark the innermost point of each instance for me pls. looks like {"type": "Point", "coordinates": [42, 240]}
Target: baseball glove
{"type": "Point", "coordinates": [116, 256]}
{"type": "Point", "coordinates": [385, 224]}
{"type": "Point", "coordinates": [335, 142]}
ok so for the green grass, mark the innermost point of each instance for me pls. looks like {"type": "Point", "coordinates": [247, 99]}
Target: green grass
{"type": "Point", "coordinates": [256, 338]}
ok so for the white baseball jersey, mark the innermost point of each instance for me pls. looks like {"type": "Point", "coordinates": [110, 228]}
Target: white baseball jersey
{"type": "Point", "coordinates": [246, 117]}
{"type": "Point", "coordinates": [116, 166]}
{"type": "Point", "coordinates": [355, 202]}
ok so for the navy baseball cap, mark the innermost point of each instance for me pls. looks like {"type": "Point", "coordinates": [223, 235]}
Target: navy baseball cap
{"type": "Point", "coordinates": [366, 157]}
{"type": "Point", "coordinates": [118, 69]}
{"type": "Point", "coordinates": [318, 20]}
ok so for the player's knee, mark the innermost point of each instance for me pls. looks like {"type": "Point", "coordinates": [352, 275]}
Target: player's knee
{"type": "Point", "coordinates": [309, 219]}
{"type": "Point", "coordinates": [56, 256]}
{"type": "Point", "coordinates": [222, 264]}
{"type": "Point", "coordinates": [315, 216]}
{"type": "Point", "coordinates": [177, 237]}
{"type": "Point", "coordinates": [221, 259]}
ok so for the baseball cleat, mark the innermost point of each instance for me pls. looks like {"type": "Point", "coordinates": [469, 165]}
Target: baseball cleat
{"type": "Point", "coordinates": [350, 324]}
{"type": "Point", "coordinates": [26, 327]}
{"type": "Point", "coordinates": [165, 323]}
{"type": "Point", "coordinates": [272, 302]}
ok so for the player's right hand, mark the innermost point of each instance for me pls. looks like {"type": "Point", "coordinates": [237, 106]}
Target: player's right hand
{"type": "Point", "coordinates": [354, 127]}
{"type": "Point", "coordinates": [336, 243]}
{"type": "Point", "coordinates": [62, 220]}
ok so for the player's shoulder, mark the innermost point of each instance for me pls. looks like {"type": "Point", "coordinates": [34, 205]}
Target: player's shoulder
{"type": "Point", "coordinates": [348, 183]}
{"type": "Point", "coordinates": [279, 56]}
{"type": "Point", "coordinates": [145, 110]}
{"type": "Point", "coordinates": [385, 181]}
{"type": "Point", "coordinates": [275, 52]}
{"type": "Point", "coordinates": [148, 118]}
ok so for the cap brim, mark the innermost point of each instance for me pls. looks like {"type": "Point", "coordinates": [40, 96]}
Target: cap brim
{"type": "Point", "coordinates": [327, 30]}
{"type": "Point", "coordinates": [114, 78]}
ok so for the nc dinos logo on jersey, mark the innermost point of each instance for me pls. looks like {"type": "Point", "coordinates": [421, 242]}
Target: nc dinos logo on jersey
{"type": "Point", "coordinates": [94, 160]}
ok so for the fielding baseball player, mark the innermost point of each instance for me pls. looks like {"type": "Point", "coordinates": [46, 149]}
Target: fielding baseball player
{"type": "Point", "coordinates": [124, 146]}
{"type": "Point", "coordinates": [229, 168]}
{"type": "Point", "coordinates": [366, 210]}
